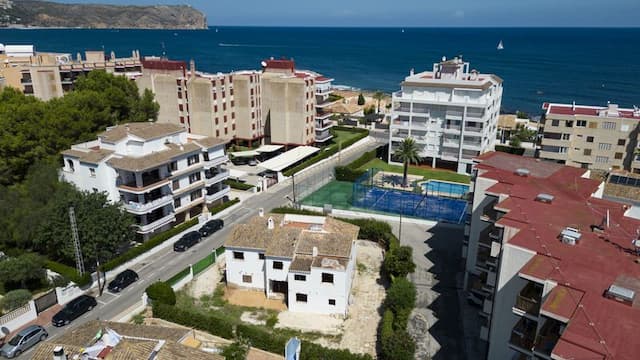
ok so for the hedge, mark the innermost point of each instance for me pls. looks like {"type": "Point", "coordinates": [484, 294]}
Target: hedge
{"type": "Point", "coordinates": [262, 339]}
{"type": "Point", "coordinates": [330, 150]}
{"type": "Point", "coordinates": [148, 245]}
{"type": "Point", "coordinates": [235, 184]}
{"type": "Point", "coordinates": [347, 173]}
{"type": "Point", "coordinates": [216, 209]}
{"type": "Point", "coordinates": [510, 150]}
{"type": "Point", "coordinates": [69, 273]}
{"type": "Point", "coordinates": [208, 322]}
{"type": "Point", "coordinates": [161, 292]}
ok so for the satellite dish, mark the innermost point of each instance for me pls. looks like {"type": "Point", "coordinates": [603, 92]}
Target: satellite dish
{"type": "Point", "coordinates": [5, 330]}
{"type": "Point", "coordinates": [263, 63]}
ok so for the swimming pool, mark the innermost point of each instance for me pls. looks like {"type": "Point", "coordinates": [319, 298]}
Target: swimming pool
{"type": "Point", "coordinates": [443, 188]}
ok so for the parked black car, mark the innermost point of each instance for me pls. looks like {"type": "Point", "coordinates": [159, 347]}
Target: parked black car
{"type": "Point", "coordinates": [73, 310]}
{"type": "Point", "coordinates": [122, 280]}
{"type": "Point", "coordinates": [187, 240]}
{"type": "Point", "coordinates": [211, 227]}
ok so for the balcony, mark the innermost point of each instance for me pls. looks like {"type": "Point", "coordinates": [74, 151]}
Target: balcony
{"type": "Point", "coordinates": [489, 213]}
{"type": "Point", "coordinates": [323, 136]}
{"type": "Point", "coordinates": [323, 125]}
{"type": "Point", "coordinates": [215, 162]}
{"type": "Point", "coordinates": [150, 227]}
{"type": "Point", "coordinates": [217, 195]}
{"type": "Point", "coordinates": [452, 128]}
{"type": "Point", "coordinates": [529, 299]}
{"type": "Point", "coordinates": [322, 114]}
{"type": "Point", "coordinates": [548, 337]}
{"type": "Point", "coordinates": [449, 142]}
{"type": "Point", "coordinates": [457, 115]}
{"type": "Point", "coordinates": [473, 129]}
{"type": "Point", "coordinates": [212, 177]}
{"type": "Point", "coordinates": [148, 184]}
{"type": "Point", "coordinates": [484, 260]}
{"type": "Point", "coordinates": [484, 238]}
{"type": "Point", "coordinates": [523, 334]}
{"type": "Point", "coordinates": [143, 208]}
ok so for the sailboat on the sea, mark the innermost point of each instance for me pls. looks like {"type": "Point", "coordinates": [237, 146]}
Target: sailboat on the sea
{"type": "Point", "coordinates": [500, 45]}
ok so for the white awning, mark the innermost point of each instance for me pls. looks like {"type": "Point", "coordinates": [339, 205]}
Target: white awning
{"type": "Point", "coordinates": [237, 174]}
{"type": "Point", "coordinates": [288, 158]}
{"type": "Point", "coordinates": [269, 148]}
{"type": "Point", "coordinates": [248, 153]}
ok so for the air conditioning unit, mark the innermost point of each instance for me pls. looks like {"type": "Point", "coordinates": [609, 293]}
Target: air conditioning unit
{"type": "Point", "coordinates": [570, 236]}
{"type": "Point", "coordinates": [620, 294]}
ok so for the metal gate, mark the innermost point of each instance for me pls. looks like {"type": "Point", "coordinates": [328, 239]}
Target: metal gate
{"type": "Point", "coordinates": [46, 301]}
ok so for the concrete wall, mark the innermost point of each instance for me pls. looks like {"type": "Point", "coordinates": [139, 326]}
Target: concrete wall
{"type": "Point", "coordinates": [46, 82]}
{"type": "Point", "coordinates": [251, 265]}
{"type": "Point", "coordinates": [19, 317]}
{"type": "Point", "coordinates": [319, 293]}
{"type": "Point", "coordinates": [249, 122]}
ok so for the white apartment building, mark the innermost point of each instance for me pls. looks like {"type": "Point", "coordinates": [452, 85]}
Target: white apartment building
{"type": "Point", "coordinates": [160, 173]}
{"type": "Point", "coordinates": [552, 265]}
{"type": "Point", "coordinates": [308, 261]}
{"type": "Point", "coordinates": [451, 112]}
{"type": "Point", "coordinates": [323, 120]}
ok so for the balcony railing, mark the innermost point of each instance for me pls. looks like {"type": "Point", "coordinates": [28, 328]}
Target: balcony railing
{"type": "Point", "coordinates": [523, 334]}
{"type": "Point", "coordinates": [218, 195]}
{"type": "Point", "coordinates": [216, 161]}
{"type": "Point", "coordinates": [474, 129]}
{"type": "Point", "coordinates": [156, 224]}
{"type": "Point", "coordinates": [324, 136]}
{"type": "Point", "coordinates": [453, 127]}
{"type": "Point", "coordinates": [142, 208]}
{"type": "Point", "coordinates": [529, 299]}
{"type": "Point", "coordinates": [214, 177]}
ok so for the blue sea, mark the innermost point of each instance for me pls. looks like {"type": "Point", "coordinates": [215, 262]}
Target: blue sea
{"type": "Point", "coordinates": [586, 65]}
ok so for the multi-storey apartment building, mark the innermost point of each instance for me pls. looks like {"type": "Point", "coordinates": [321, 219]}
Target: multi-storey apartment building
{"type": "Point", "coordinates": [50, 75]}
{"type": "Point", "coordinates": [247, 107]}
{"type": "Point", "coordinates": [451, 112]}
{"type": "Point", "coordinates": [160, 173]}
{"type": "Point", "coordinates": [307, 260]}
{"type": "Point", "coordinates": [288, 103]}
{"type": "Point", "coordinates": [591, 137]}
{"type": "Point", "coordinates": [555, 265]}
{"type": "Point", "coordinates": [323, 122]}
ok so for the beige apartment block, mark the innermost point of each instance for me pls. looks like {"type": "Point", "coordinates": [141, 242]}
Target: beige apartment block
{"type": "Point", "coordinates": [590, 137]}
{"type": "Point", "coordinates": [211, 104]}
{"type": "Point", "coordinates": [50, 75]}
{"type": "Point", "coordinates": [167, 80]}
{"type": "Point", "coordinates": [247, 101]}
{"type": "Point", "coordinates": [288, 103]}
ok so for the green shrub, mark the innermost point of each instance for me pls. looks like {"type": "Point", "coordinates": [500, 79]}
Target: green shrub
{"type": "Point", "coordinates": [235, 184]}
{"type": "Point", "coordinates": [15, 299]}
{"type": "Point", "coordinates": [386, 324]}
{"type": "Point", "coordinates": [237, 350]}
{"type": "Point", "coordinates": [346, 173]}
{"type": "Point", "coordinates": [361, 100]}
{"type": "Point", "coordinates": [69, 273]}
{"type": "Point", "coordinates": [216, 209]}
{"type": "Point", "coordinates": [161, 292]}
{"type": "Point", "coordinates": [209, 322]}
{"type": "Point", "coordinates": [400, 295]}
{"type": "Point", "coordinates": [262, 339]}
{"type": "Point", "coordinates": [312, 351]}
{"type": "Point", "coordinates": [148, 245]}
{"type": "Point", "coordinates": [399, 346]}
{"type": "Point", "coordinates": [510, 150]}
{"type": "Point", "coordinates": [272, 320]}
{"type": "Point", "coordinates": [399, 262]}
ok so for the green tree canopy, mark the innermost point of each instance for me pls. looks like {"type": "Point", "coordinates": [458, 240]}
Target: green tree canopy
{"type": "Point", "coordinates": [24, 271]}
{"type": "Point", "coordinates": [14, 299]}
{"type": "Point", "coordinates": [361, 100]}
{"type": "Point", "coordinates": [399, 262]}
{"type": "Point", "coordinates": [407, 152]}
{"type": "Point", "coordinates": [401, 295]}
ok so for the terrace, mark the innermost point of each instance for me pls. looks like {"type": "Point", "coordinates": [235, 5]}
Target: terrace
{"type": "Point", "coordinates": [529, 299]}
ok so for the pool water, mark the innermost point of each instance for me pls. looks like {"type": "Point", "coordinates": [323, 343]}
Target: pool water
{"type": "Point", "coordinates": [435, 187]}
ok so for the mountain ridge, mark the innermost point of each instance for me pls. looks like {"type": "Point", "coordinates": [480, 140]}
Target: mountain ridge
{"type": "Point", "coordinates": [46, 14]}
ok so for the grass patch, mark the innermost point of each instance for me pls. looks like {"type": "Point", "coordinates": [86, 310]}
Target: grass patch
{"type": "Point", "coordinates": [342, 136]}
{"type": "Point", "coordinates": [138, 319]}
{"type": "Point", "coordinates": [414, 170]}
{"type": "Point", "coordinates": [362, 268]}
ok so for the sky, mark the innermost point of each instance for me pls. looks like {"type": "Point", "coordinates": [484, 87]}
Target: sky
{"type": "Point", "coordinates": [410, 13]}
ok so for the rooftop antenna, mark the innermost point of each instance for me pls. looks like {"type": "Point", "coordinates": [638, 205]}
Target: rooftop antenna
{"type": "Point", "coordinates": [76, 241]}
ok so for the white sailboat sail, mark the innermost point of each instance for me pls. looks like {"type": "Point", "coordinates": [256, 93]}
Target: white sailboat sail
{"type": "Point", "coordinates": [500, 45]}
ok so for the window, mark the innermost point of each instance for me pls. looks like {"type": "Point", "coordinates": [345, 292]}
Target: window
{"type": "Point", "coordinates": [177, 203]}
{"type": "Point", "coordinates": [195, 195]}
{"type": "Point", "coordinates": [618, 156]}
{"type": "Point", "coordinates": [300, 277]}
{"type": "Point", "coordinates": [604, 146]}
{"type": "Point", "coordinates": [176, 184]}
{"type": "Point", "coordinates": [246, 279]}
{"type": "Point", "coordinates": [602, 159]}
{"type": "Point", "coordinates": [621, 142]}
{"type": "Point", "coordinates": [589, 138]}
{"type": "Point", "coordinates": [609, 125]}
{"type": "Point", "coordinates": [569, 123]}
{"type": "Point", "coordinates": [71, 167]}
{"type": "Point", "coordinates": [555, 122]}
{"type": "Point", "coordinates": [193, 159]}
{"type": "Point", "coordinates": [238, 255]}
{"type": "Point", "coordinates": [92, 172]}
{"type": "Point", "coordinates": [194, 177]}
{"type": "Point", "coordinates": [566, 136]}
{"type": "Point", "coordinates": [173, 166]}
{"type": "Point", "coordinates": [586, 152]}
{"type": "Point", "coordinates": [327, 278]}
{"type": "Point", "coordinates": [277, 265]}
{"type": "Point", "coordinates": [562, 150]}
{"type": "Point", "coordinates": [261, 256]}
{"type": "Point", "coordinates": [301, 297]}
{"type": "Point", "coordinates": [332, 302]}
{"type": "Point", "coordinates": [581, 123]}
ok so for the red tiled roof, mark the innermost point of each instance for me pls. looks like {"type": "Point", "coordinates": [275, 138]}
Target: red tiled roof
{"type": "Point", "coordinates": [561, 303]}
{"type": "Point", "coordinates": [566, 350]}
{"type": "Point", "coordinates": [283, 64]}
{"type": "Point", "coordinates": [569, 109]}
{"type": "Point", "coordinates": [322, 79]}
{"type": "Point", "coordinates": [598, 325]}
{"type": "Point", "coordinates": [164, 64]}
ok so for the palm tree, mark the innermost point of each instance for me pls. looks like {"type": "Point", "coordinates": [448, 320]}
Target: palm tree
{"type": "Point", "coordinates": [379, 95]}
{"type": "Point", "coordinates": [408, 153]}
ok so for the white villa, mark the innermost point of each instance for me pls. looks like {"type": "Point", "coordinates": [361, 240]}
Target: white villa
{"type": "Point", "coordinates": [161, 174]}
{"type": "Point", "coordinates": [308, 261]}
{"type": "Point", "coordinates": [451, 112]}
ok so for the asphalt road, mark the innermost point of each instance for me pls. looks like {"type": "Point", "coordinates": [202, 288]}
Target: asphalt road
{"type": "Point", "coordinates": [167, 263]}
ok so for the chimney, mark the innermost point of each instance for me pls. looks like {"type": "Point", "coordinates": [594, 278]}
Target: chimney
{"type": "Point", "coordinates": [314, 252]}
{"type": "Point", "coordinates": [270, 224]}
{"type": "Point", "coordinates": [192, 67]}
{"type": "Point", "coordinates": [58, 353]}
{"type": "Point", "coordinates": [261, 212]}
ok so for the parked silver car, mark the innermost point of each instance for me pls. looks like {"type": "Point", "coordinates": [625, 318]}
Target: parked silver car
{"type": "Point", "coordinates": [23, 340]}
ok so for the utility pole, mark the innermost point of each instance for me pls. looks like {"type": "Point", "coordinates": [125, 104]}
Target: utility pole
{"type": "Point", "coordinates": [293, 184]}
{"type": "Point", "coordinates": [76, 241]}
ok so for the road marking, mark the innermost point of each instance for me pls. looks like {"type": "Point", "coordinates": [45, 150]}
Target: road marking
{"type": "Point", "coordinates": [102, 302]}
